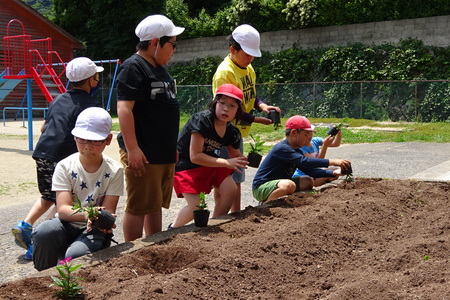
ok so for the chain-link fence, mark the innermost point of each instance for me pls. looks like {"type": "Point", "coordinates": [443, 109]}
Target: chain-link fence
{"type": "Point", "coordinates": [426, 101]}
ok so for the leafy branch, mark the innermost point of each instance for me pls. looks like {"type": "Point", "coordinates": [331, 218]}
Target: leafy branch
{"type": "Point", "coordinates": [257, 145]}
{"type": "Point", "coordinates": [202, 205]}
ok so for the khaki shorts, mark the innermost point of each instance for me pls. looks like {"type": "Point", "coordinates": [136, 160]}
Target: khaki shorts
{"type": "Point", "coordinates": [150, 192]}
{"type": "Point", "coordinates": [262, 192]}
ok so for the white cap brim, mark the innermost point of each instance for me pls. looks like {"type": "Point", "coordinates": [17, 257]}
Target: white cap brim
{"type": "Point", "coordinates": [252, 52]}
{"type": "Point", "coordinates": [176, 31]}
{"type": "Point", "coordinates": [88, 135]}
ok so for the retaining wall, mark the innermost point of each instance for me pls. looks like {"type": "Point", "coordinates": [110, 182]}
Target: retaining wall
{"type": "Point", "coordinates": [432, 31]}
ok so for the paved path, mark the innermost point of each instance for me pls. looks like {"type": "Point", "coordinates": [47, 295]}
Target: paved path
{"type": "Point", "coordinates": [421, 161]}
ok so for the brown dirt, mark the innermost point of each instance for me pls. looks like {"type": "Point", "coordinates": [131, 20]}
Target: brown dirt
{"type": "Point", "coordinates": [368, 239]}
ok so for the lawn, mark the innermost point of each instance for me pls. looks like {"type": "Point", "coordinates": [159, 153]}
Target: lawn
{"type": "Point", "coordinates": [355, 131]}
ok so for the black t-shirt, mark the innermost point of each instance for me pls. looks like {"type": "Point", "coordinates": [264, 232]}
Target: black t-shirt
{"type": "Point", "coordinates": [203, 123]}
{"type": "Point", "coordinates": [156, 110]}
{"type": "Point", "coordinates": [56, 141]}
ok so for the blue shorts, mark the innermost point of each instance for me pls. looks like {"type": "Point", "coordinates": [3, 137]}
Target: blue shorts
{"type": "Point", "coordinates": [237, 177]}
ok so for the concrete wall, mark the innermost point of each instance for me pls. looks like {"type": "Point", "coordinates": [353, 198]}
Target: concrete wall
{"type": "Point", "coordinates": [432, 31]}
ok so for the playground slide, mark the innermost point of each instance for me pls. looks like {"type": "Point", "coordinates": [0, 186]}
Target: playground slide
{"type": "Point", "coordinates": [7, 85]}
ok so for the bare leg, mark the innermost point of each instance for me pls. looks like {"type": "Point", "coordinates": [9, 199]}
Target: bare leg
{"type": "Point", "coordinates": [323, 180]}
{"type": "Point", "coordinates": [132, 226]}
{"type": "Point", "coordinates": [287, 187]}
{"type": "Point", "coordinates": [52, 213]}
{"type": "Point", "coordinates": [38, 209]}
{"type": "Point", "coordinates": [153, 222]}
{"type": "Point", "coordinates": [236, 205]}
{"type": "Point", "coordinates": [227, 191]}
{"type": "Point", "coordinates": [186, 213]}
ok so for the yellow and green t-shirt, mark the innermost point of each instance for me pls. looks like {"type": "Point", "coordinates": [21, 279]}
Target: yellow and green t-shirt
{"type": "Point", "coordinates": [243, 78]}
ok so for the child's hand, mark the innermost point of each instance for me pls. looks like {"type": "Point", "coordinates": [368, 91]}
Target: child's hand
{"type": "Point", "coordinates": [327, 141]}
{"type": "Point", "coordinates": [267, 108]}
{"type": "Point", "coordinates": [238, 162]}
{"type": "Point", "coordinates": [343, 163]}
{"type": "Point", "coordinates": [262, 120]}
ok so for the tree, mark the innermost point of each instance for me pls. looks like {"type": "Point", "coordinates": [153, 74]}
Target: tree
{"type": "Point", "coordinates": [107, 27]}
{"type": "Point", "coordinates": [300, 13]}
{"type": "Point", "coordinates": [44, 7]}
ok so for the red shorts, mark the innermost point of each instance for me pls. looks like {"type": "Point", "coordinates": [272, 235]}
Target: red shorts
{"type": "Point", "coordinates": [201, 179]}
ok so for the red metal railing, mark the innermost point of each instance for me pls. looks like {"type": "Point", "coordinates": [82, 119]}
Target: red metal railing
{"type": "Point", "coordinates": [27, 58]}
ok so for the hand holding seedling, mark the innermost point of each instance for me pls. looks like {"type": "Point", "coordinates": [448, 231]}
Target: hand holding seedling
{"type": "Point", "coordinates": [327, 141]}
{"type": "Point", "coordinates": [266, 108]}
{"type": "Point", "coordinates": [237, 162]}
{"type": "Point", "coordinates": [263, 120]}
{"type": "Point", "coordinates": [344, 164]}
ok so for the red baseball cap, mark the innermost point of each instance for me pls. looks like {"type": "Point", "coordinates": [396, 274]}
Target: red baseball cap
{"type": "Point", "coordinates": [230, 90]}
{"type": "Point", "coordinates": [299, 122]}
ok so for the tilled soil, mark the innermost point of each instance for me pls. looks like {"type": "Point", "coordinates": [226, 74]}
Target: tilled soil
{"type": "Point", "coordinates": [367, 239]}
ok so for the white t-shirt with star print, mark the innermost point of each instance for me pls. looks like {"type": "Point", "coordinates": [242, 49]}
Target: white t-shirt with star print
{"type": "Point", "coordinates": [70, 175]}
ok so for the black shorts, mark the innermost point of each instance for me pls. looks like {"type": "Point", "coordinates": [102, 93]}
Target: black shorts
{"type": "Point", "coordinates": [45, 169]}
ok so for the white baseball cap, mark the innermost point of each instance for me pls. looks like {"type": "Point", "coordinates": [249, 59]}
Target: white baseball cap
{"type": "Point", "coordinates": [93, 123]}
{"type": "Point", "coordinates": [155, 27]}
{"type": "Point", "coordinates": [248, 37]}
{"type": "Point", "coordinates": [81, 68]}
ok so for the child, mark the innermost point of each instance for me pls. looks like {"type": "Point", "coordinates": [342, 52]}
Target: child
{"type": "Point", "coordinates": [149, 117]}
{"type": "Point", "coordinates": [88, 176]}
{"type": "Point", "coordinates": [199, 168]}
{"type": "Point", "coordinates": [273, 178]}
{"type": "Point", "coordinates": [56, 141]}
{"type": "Point", "coordinates": [317, 148]}
{"type": "Point", "coordinates": [236, 69]}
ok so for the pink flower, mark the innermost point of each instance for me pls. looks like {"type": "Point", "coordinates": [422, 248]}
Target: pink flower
{"type": "Point", "coordinates": [66, 260]}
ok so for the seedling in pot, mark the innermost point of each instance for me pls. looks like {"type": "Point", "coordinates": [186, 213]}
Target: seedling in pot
{"type": "Point", "coordinates": [349, 173]}
{"type": "Point", "coordinates": [201, 214]}
{"type": "Point", "coordinates": [257, 145]}
{"type": "Point", "coordinates": [202, 205]}
{"type": "Point", "coordinates": [255, 154]}
{"type": "Point", "coordinates": [275, 117]}
{"type": "Point", "coordinates": [334, 129]}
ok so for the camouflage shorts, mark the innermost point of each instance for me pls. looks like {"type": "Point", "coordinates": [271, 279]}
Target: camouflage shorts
{"type": "Point", "coordinates": [45, 169]}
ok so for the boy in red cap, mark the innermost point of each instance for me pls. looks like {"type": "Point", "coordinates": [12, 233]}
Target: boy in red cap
{"type": "Point", "coordinates": [199, 167]}
{"type": "Point", "coordinates": [273, 178]}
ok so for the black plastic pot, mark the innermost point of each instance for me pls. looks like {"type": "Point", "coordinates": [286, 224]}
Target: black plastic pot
{"type": "Point", "coordinates": [105, 220]}
{"type": "Point", "coordinates": [348, 171]}
{"type": "Point", "coordinates": [201, 217]}
{"type": "Point", "coordinates": [274, 116]}
{"type": "Point", "coordinates": [333, 130]}
{"type": "Point", "coordinates": [254, 159]}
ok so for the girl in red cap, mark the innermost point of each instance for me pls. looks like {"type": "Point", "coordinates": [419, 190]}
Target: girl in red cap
{"type": "Point", "coordinates": [199, 167]}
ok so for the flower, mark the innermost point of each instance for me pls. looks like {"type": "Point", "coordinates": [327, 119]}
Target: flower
{"type": "Point", "coordinates": [65, 260]}
{"type": "Point", "coordinates": [70, 287]}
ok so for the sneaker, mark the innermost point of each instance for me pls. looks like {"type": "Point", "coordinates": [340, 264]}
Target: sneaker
{"type": "Point", "coordinates": [29, 254]}
{"type": "Point", "coordinates": [22, 233]}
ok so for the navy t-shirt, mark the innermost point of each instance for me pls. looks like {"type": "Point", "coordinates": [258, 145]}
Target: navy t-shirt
{"type": "Point", "coordinates": [281, 162]}
{"type": "Point", "coordinates": [203, 123]}
{"type": "Point", "coordinates": [56, 141]}
{"type": "Point", "coordinates": [156, 110]}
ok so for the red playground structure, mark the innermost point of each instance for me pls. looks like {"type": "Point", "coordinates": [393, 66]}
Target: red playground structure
{"type": "Point", "coordinates": [27, 59]}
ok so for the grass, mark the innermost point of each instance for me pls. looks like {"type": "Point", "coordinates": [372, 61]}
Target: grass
{"type": "Point", "coordinates": [357, 131]}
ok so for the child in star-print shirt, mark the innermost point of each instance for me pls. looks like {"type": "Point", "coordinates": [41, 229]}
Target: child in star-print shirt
{"type": "Point", "coordinates": [89, 176]}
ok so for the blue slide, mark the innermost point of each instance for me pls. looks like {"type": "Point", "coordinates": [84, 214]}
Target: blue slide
{"type": "Point", "coordinates": [7, 85]}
